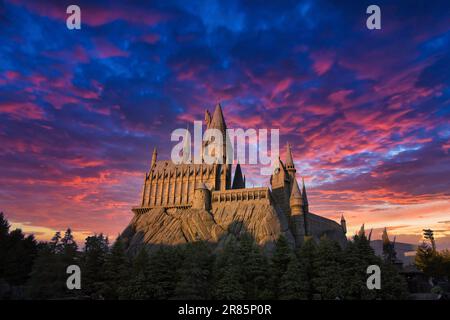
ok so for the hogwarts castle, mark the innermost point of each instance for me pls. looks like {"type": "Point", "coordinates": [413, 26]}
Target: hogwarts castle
{"type": "Point", "coordinates": [187, 202]}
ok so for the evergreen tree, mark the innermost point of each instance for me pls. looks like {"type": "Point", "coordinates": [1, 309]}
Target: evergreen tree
{"type": "Point", "coordinates": [358, 255]}
{"type": "Point", "coordinates": [163, 272]}
{"type": "Point", "coordinates": [253, 268]}
{"type": "Point", "coordinates": [228, 279]}
{"type": "Point", "coordinates": [4, 237]}
{"type": "Point", "coordinates": [138, 286]}
{"type": "Point", "coordinates": [279, 263]}
{"type": "Point", "coordinates": [294, 283]}
{"type": "Point", "coordinates": [69, 249]}
{"type": "Point", "coordinates": [393, 285]}
{"type": "Point", "coordinates": [48, 276]}
{"type": "Point", "coordinates": [116, 271]}
{"type": "Point", "coordinates": [327, 280]}
{"type": "Point", "coordinates": [306, 256]}
{"type": "Point", "coordinates": [18, 257]}
{"type": "Point", "coordinates": [93, 265]}
{"type": "Point", "coordinates": [429, 261]}
{"type": "Point", "coordinates": [195, 273]}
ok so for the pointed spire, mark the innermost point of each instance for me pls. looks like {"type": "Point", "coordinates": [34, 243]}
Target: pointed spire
{"type": "Point", "coordinates": [218, 121]}
{"type": "Point", "coordinates": [296, 200]}
{"type": "Point", "coordinates": [385, 236]}
{"type": "Point", "coordinates": [370, 234]}
{"type": "Point", "coordinates": [289, 160]}
{"type": "Point", "coordinates": [343, 224]}
{"type": "Point", "coordinates": [154, 157]}
{"type": "Point", "coordinates": [305, 197]}
{"type": "Point", "coordinates": [238, 180]}
{"type": "Point", "coordinates": [362, 232]}
{"type": "Point", "coordinates": [207, 118]}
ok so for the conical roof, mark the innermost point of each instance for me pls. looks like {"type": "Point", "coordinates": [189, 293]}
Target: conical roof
{"type": "Point", "coordinates": [218, 121]}
{"type": "Point", "coordinates": [238, 180]}
{"type": "Point", "coordinates": [296, 196]}
{"type": "Point", "coordinates": [289, 160]}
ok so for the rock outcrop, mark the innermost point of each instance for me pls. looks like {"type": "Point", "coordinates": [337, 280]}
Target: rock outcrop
{"type": "Point", "coordinates": [169, 227]}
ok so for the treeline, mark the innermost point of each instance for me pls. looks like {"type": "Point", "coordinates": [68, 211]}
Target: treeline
{"type": "Point", "coordinates": [195, 270]}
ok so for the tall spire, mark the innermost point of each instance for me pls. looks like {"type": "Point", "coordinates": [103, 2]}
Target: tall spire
{"type": "Point", "coordinates": [289, 160]}
{"type": "Point", "coordinates": [362, 232]}
{"type": "Point", "coordinates": [385, 236]}
{"type": "Point", "coordinates": [238, 180]}
{"type": "Point", "coordinates": [343, 224]}
{"type": "Point", "coordinates": [305, 197]}
{"type": "Point", "coordinates": [207, 118]}
{"type": "Point", "coordinates": [154, 157]}
{"type": "Point", "coordinates": [218, 121]}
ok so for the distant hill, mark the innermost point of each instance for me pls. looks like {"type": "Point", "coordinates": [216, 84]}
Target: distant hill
{"type": "Point", "coordinates": [400, 248]}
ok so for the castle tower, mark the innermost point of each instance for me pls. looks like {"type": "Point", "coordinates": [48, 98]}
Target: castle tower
{"type": "Point", "coordinates": [290, 167]}
{"type": "Point", "coordinates": [305, 198]}
{"type": "Point", "coordinates": [217, 122]}
{"type": "Point", "coordinates": [297, 218]}
{"type": "Point", "coordinates": [296, 200]}
{"type": "Point", "coordinates": [154, 157]}
{"type": "Point", "coordinates": [280, 183]}
{"type": "Point", "coordinates": [202, 197]}
{"type": "Point", "coordinates": [238, 180]}
{"type": "Point", "coordinates": [343, 224]}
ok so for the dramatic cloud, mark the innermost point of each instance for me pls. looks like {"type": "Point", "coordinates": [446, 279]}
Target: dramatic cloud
{"type": "Point", "coordinates": [366, 111]}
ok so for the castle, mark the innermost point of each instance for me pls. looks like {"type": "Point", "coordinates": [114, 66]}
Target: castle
{"type": "Point", "coordinates": [187, 202]}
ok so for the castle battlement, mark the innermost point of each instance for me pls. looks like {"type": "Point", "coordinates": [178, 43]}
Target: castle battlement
{"type": "Point", "coordinates": [247, 194]}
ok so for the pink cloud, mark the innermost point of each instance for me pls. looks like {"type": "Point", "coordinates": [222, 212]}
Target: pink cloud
{"type": "Point", "coordinates": [22, 110]}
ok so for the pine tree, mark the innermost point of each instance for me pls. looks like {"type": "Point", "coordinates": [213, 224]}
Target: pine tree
{"type": "Point", "coordinates": [228, 279]}
{"type": "Point", "coordinates": [393, 285]}
{"type": "Point", "coordinates": [279, 263]}
{"type": "Point", "coordinates": [195, 274]}
{"type": "Point", "coordinates": [93, 265]}
{"type": "Point", "coordinates": [138, 286]}
{"type": "Point", "coordinates": [163, 272]}
{"type": "Point", "coordinates": [294, 283]}
{"type": "Point", "coordinates": [306, 256]}
{"type": "Point", "coordinates": [116, 271]}
{"type": "Point", "coordinates": [48, 276]}
{"type": "Point", "coordinates": [253, 268]}
{"type": "Point", "coordinates": [327, 280]}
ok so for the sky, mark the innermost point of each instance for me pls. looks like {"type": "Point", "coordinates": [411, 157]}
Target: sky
{"type": "Point", "coordinates": [366, 111]}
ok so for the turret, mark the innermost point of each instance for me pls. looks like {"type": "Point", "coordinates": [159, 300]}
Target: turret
{"type": "Point", "coordinates": [202, 198]}
{"type": "Point", "coordinates": [296, 200]}
{"type": "Point", "coordinates": [290, 167]}
{"type": "Point", "coordinates": [343, 224]}
{"type": "Point", "coordinates": [154, 157]}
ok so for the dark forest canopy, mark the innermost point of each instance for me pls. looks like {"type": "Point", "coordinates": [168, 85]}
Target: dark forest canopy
{"type": "Point", "coordinates": [192, 271]}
